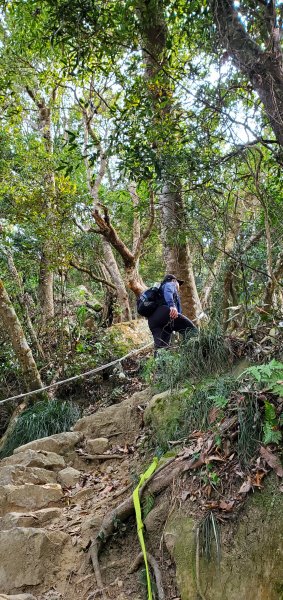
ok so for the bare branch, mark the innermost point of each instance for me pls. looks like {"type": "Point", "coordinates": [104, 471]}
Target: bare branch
{"type": "Point", "coordinates": [91, 274]}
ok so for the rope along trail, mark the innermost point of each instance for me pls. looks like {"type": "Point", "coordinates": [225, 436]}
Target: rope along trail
{"type": "Point", "coordinates": [63, 381]}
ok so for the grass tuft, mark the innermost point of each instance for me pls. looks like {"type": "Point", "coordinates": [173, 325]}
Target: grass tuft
{"type": "Point", "coordinates": [200, 355]}
{"type": "Point", "coordinates": [42, 419]}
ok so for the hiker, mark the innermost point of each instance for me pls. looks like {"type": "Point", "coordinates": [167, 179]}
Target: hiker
{"type": "Point", "coordinates": [168, 317]}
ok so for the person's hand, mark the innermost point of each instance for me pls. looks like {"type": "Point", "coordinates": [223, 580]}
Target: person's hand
{"type": "Point", "coordinates": [173, 312]}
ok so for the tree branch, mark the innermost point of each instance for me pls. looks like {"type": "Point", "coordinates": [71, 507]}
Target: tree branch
{"type": "Point", "coordinates": [72, 263]}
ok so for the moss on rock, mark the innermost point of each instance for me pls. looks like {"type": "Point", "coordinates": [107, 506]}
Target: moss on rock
{"type": "Point", "coordinates": [252, 552]}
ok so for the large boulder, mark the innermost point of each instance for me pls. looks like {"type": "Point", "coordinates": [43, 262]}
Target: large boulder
{"type": "Point", "coordinates": [251, 552]}
{"type": "Point", "coordinates": [37, 518]}
{"type": "Point", "coordinates": [60, 443]}
{"type": "Point", "coordinates": [27, 556]}
{"type": "Point", "coordinates": [19, 475]}
{"type": "Point", "coordinates": [128, 335]}
{"type": "Point", "coordinates": [121, 421]}
{"type": "Point", "coordinates": [35, 458]}
{"type": "Point", "coordinates": [29, 496]}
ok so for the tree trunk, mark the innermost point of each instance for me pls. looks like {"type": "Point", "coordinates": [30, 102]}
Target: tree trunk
{"type": "Point", "coordinates": [124, 310]}
{"type": "Point", "coordinates": [236, 220]}
{"type": "Point", "coordinates": [177, 256]}
{"type": "Point", "coordinates": [23, 305]}
{"type": "Point", "coordinates": [45, 289]}
{"type": "Point", "coordinates": [263, 67]}
{"type": "Point", "coordinates": [15, 333]}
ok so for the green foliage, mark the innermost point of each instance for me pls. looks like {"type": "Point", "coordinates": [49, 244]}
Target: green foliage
{"type": "Point", "coordinates": [147, 504]}
{"type": "Point", "coordinates": [43, 419]}
{"type": "Point", "coordinates": [200, 355]}
{"type": "Point", "coordinates": [208, 533]}
{"type": "Point", "coordinates": [250, 421]}
{"type": "Point", "coordinates": [190, 410]}
{"type": "Point", "coordinates": [271, 433]}
{"type": "Point", "coordinates": [269, 375]}
{"type": "Point", "coordinates": [143, 583]}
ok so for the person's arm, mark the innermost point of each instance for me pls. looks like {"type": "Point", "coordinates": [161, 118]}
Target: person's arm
{"type": "Point", "coordinates": [168, 292]}
{"type": "Point", "coordinates": [178, 304]}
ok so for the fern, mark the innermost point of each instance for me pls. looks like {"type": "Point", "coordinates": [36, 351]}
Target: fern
{"type": "Point", "coordinates": [270, 374]}
{"type": "Point", "coordinates": [147, 505]}
{"type": "Point", "coordinates": [219, 401]}
{"type": "Point", "coordinates": [271, 434]}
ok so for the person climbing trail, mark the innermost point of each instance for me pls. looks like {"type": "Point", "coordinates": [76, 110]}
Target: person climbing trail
{"type": "Point", "coordinates": [168, 317]}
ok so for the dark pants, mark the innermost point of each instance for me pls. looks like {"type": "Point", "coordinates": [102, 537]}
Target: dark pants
{"type": "Point", "coordinates": [161, 326]}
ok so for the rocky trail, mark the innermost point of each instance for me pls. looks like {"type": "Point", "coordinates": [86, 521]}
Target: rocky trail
{"type": "Point", "coordinates": [67, 526]}
{"type": "Point", "coordinates": [54, 493]}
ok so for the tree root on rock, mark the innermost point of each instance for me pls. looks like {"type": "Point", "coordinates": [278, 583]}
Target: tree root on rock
{"type": "Point", "coordinates": [159, 481]}
{"type": "Point", "coordinates": [157, 573]}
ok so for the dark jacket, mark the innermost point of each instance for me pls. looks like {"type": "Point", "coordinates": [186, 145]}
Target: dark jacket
{"type": "Point", "coordinates": [171, 296]}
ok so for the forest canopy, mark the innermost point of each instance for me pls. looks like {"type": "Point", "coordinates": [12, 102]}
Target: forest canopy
{"type": "Point", "coordinates": [138, 137]}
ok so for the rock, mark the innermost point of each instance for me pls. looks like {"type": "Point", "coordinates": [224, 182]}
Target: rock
{"type": "Point", "coordinates": [17, 597]}
{"type": "Point", "coordinates": [251, 551]}
{"type": "Point", "coordinates": [82, 495]}
{"type": "Point", "coordinates": [60, 443]}
{"type": "Point", "coordinates": [120, 420]}
{"type": "Point", "coordinates": [52, 595]}
{"type": "Point", "coordinates": [37, 518]}
{"type": "Point", "coordinates": [68, 477]}
{"type": "Point", "coordinates": [128, 335]}
{"type": "Point", "coordinates": [97, 445]}
{"type": "Point", "coordinates": [28, 555]}
{"type": "Point", "coordinates": [28, 496]}
{"type": "Point", "coordinates": [35, 458]}
{"type": "Point", "coordinates": [163, 407]}
{"type": "Point", "coordinates": [19, 475]}
{"type": "Point", "coordinates": [157, 517]}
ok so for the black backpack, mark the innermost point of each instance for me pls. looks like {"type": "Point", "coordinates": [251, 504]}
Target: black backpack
{"type": "Point", "coordinates": [150, 300]}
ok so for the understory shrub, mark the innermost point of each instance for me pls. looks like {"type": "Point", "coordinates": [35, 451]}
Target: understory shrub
{"type": "Point", "coordinates": [190, 410]}
{"type": "Point", "coordinates": [200, 355]}
{"type": "Point", "coordinates": [42, 419]}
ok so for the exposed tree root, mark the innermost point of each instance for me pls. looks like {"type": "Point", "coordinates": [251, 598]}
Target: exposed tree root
{"type": "Point", "coordinates": [102, 456]}
{"type": "Point", "coordinates": [159, 481]}
{"type": "Point", "coordinates": [157, 573]}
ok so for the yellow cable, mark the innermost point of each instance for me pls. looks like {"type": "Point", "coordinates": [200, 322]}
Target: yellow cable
{"type": "Point", "coordinates": [140, 525]}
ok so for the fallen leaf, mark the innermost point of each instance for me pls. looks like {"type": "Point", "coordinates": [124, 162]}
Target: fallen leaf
{"type": "Point", "coordinates": [184, 495]}
{"type": "Point", "coordinates": [272, 460]}
{"type": "Point", "coordinates": [214, 457]}
{"type": "Point", "coordinates": [186, 452]}
{"type": "Point", "coordinates": [245, 487]}
{"type": "Point", "coordinates": [212, 504]}
{"type": "Point", "coordinates": [213, 414]}
{"type": "Point", "coordinates": [257, 479]}
{"type": "Point", "coordinates": [227, 506]}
